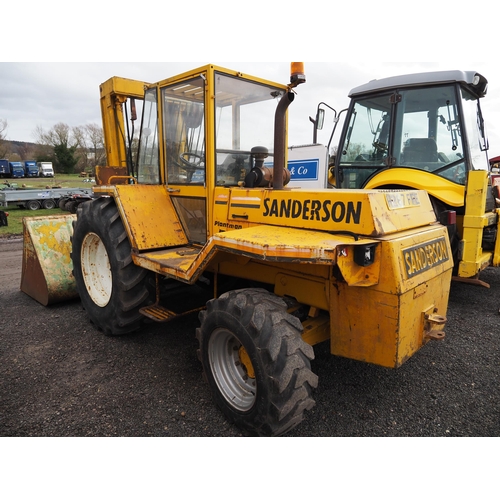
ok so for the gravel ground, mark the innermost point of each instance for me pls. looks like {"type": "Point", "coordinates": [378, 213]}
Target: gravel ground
{"type": "Point", "coordinates": [61, 377]}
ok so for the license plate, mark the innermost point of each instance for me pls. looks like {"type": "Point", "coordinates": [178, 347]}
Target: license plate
{"type": "Point", "coordinates": [405, 199]}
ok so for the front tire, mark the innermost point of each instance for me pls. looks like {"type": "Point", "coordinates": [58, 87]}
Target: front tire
{"type": "Point", "coordinates": [111, 287]}
{"type": "Point", "coordinates": [255, 361]}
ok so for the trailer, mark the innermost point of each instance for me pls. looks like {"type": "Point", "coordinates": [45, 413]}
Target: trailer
{"type": "Point", "coordinates": [33, 199]}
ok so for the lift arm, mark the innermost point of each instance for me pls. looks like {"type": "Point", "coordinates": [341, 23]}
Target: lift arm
{"type": "Point", "coordinates": [114, 93]}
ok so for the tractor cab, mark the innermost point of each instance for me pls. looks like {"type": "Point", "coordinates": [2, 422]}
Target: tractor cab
{"type": "Point", "coordinates": [430, 123]}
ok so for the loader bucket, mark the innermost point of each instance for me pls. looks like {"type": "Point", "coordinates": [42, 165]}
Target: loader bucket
{"type": "Point", "coordinates": [47, 271]}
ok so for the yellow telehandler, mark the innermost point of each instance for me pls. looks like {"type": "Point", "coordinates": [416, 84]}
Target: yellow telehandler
{"type": "Point", "coordinates": [197, 222]}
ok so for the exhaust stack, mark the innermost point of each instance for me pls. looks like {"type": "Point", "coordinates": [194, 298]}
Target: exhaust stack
{"type": "Point", "coordinates": [297, 77]}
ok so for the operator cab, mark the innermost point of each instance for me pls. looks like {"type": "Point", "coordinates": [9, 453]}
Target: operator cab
{"type": "Point", "coordinates": [241, 119]}
{"type": "Point", "coordinates": [202, 130]}
{"type": "Point", "coordinates": [430, 122]}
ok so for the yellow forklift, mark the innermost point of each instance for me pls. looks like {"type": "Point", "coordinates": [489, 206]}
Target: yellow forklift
{"type": "Point", "coordinates": [196, 221]}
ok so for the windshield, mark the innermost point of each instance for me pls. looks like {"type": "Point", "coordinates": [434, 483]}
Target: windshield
{"type": "Point", "coordinates": [366, 141]}
{"type": "Point", "coordinates": [244, 118]}
{"type": "Point", "coordinates": [427, 133]}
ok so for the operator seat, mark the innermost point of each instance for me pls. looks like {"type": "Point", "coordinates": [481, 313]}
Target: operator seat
{"type": "Point", "coordinates": [417, 150]}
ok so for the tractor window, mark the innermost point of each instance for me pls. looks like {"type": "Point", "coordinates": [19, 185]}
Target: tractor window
{"type": "Point", "coordinates": [244, 118]}
{"type": "Point", "coordinates": [148, 170]}
{"type": "Point", "coordinates": [428, 135]}
{"type": "Point", "coordinates": [366, 142]}
{"type": "Point", "coordinates": [419, 128]}
{"type": "Point", "coordinates": [476, 134]}
{"type": "Point", "coordinates": [184, 131]}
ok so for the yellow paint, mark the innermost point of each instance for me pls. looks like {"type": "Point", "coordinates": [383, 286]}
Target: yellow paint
{"type": "Point", "coordinates": [470, 226]}
{"type": "Point", "coordinates": [384, 324]}
{"type": "Point", "coordinates": [369, 213]}
{"type": "Point", "coordinates": [148, 215]}
{"type": "Point", "coordinates": [316, 330]}
{"type": "Point", "coordinates": [447, 191]}
{"type": "Point", "coordinates": [114, 93]}
{"type": "Point", "coordinates": [474, 258]}
{"type": "Point", "coordinates": [245, 361]}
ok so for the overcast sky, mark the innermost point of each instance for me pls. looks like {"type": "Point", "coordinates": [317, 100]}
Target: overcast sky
{"type": "Point", "coordinates": [43, 94]}
{"type": "Point", "coordinates": [358, 36]}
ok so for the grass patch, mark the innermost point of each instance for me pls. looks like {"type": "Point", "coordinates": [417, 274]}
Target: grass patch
{"type": "Point", "coordinates": [16, 214]}
{"type": "Point", "coordinates": [59, 180]}
{"type": "Point", "coordinates": [15, 219]}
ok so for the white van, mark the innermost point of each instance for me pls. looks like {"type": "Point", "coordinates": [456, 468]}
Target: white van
{"type": "Point", "coordinates": [45, 169]}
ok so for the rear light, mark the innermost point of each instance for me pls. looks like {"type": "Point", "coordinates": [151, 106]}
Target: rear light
{"type": "Point", "coordinates": [364, 255]}
{"type": "Point", "coordinates": [448, 217]}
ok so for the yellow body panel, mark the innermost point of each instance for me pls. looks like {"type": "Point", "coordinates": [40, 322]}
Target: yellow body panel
{"type": "Point", "coordinates": [448, 192]}
{"type": "Point", "coordinates": [377, 312]}
{"type": "Point", "coordinates": [474, 259]}
{"type": "Point", "coordinates": [370, 213]}
{"type": "Point", "coordinates": [148, 214]}
{"type": "Point", "coordinates": [472, 202]}
{"type": "Point", "coordinates": [302, 243]}
{"type": "Point", "coordinates": [262, 243]}
{"type": "Point", "coordinates": [385, 324]}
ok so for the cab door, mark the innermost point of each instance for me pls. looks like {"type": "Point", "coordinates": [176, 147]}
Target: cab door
{"type": "Point", "coordinates": [183, 109]}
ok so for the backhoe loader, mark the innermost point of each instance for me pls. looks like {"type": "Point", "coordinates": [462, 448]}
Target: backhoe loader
{"type": "Point", "coordinates": [196, 222]}
{"type": "Point", "coordinates": [426, 131]}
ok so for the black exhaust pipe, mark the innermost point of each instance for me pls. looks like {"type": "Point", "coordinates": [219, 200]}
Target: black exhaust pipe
{"type": "Point", "coordinates": [280, 139]}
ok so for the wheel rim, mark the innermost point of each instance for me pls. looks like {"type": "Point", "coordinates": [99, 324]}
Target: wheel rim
{"type": "Point", "coordinates": [96, 269]}
{"type": "Point", "coordinates": [232, 370]}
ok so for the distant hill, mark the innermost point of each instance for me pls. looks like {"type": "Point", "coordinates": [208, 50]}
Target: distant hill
{"type": "Point", "coordinates": [19, 146]}
{"type": "Point", "coordinates": [24, 150]}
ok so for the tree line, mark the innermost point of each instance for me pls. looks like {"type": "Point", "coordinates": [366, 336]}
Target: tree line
{"type": "Point", "coordinates": [70, 149]}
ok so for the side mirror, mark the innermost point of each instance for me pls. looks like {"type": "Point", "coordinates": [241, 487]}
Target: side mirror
{"type": "Point", "coordinates": [320, 119]}
{"type": "Point", "coordinates": [317, 123]}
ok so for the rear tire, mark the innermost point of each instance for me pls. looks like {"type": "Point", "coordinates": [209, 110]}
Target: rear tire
{"type": "Point", "coordinates": [48, 204]}
{"type": "Point", "coordinates": [33, 205]}
{"type": "Point", "coordinates": [71, 206]}
{"type": "Point", "coordinates": [255, 361]}
{"type": "Point", "coordinates": [111, 287]}
{"type": "Point", "coordinates": [62, 201]}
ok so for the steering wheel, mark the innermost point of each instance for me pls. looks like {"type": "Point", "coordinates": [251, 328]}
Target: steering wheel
{"type": "Point", "coordinates": [192, 161]}
{"type": "Point", "coordinates": [380, 146]}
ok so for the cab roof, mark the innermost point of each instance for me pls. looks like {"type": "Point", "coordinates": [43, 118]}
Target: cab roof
{"type": "Point", "coordinates": [474, 81]}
